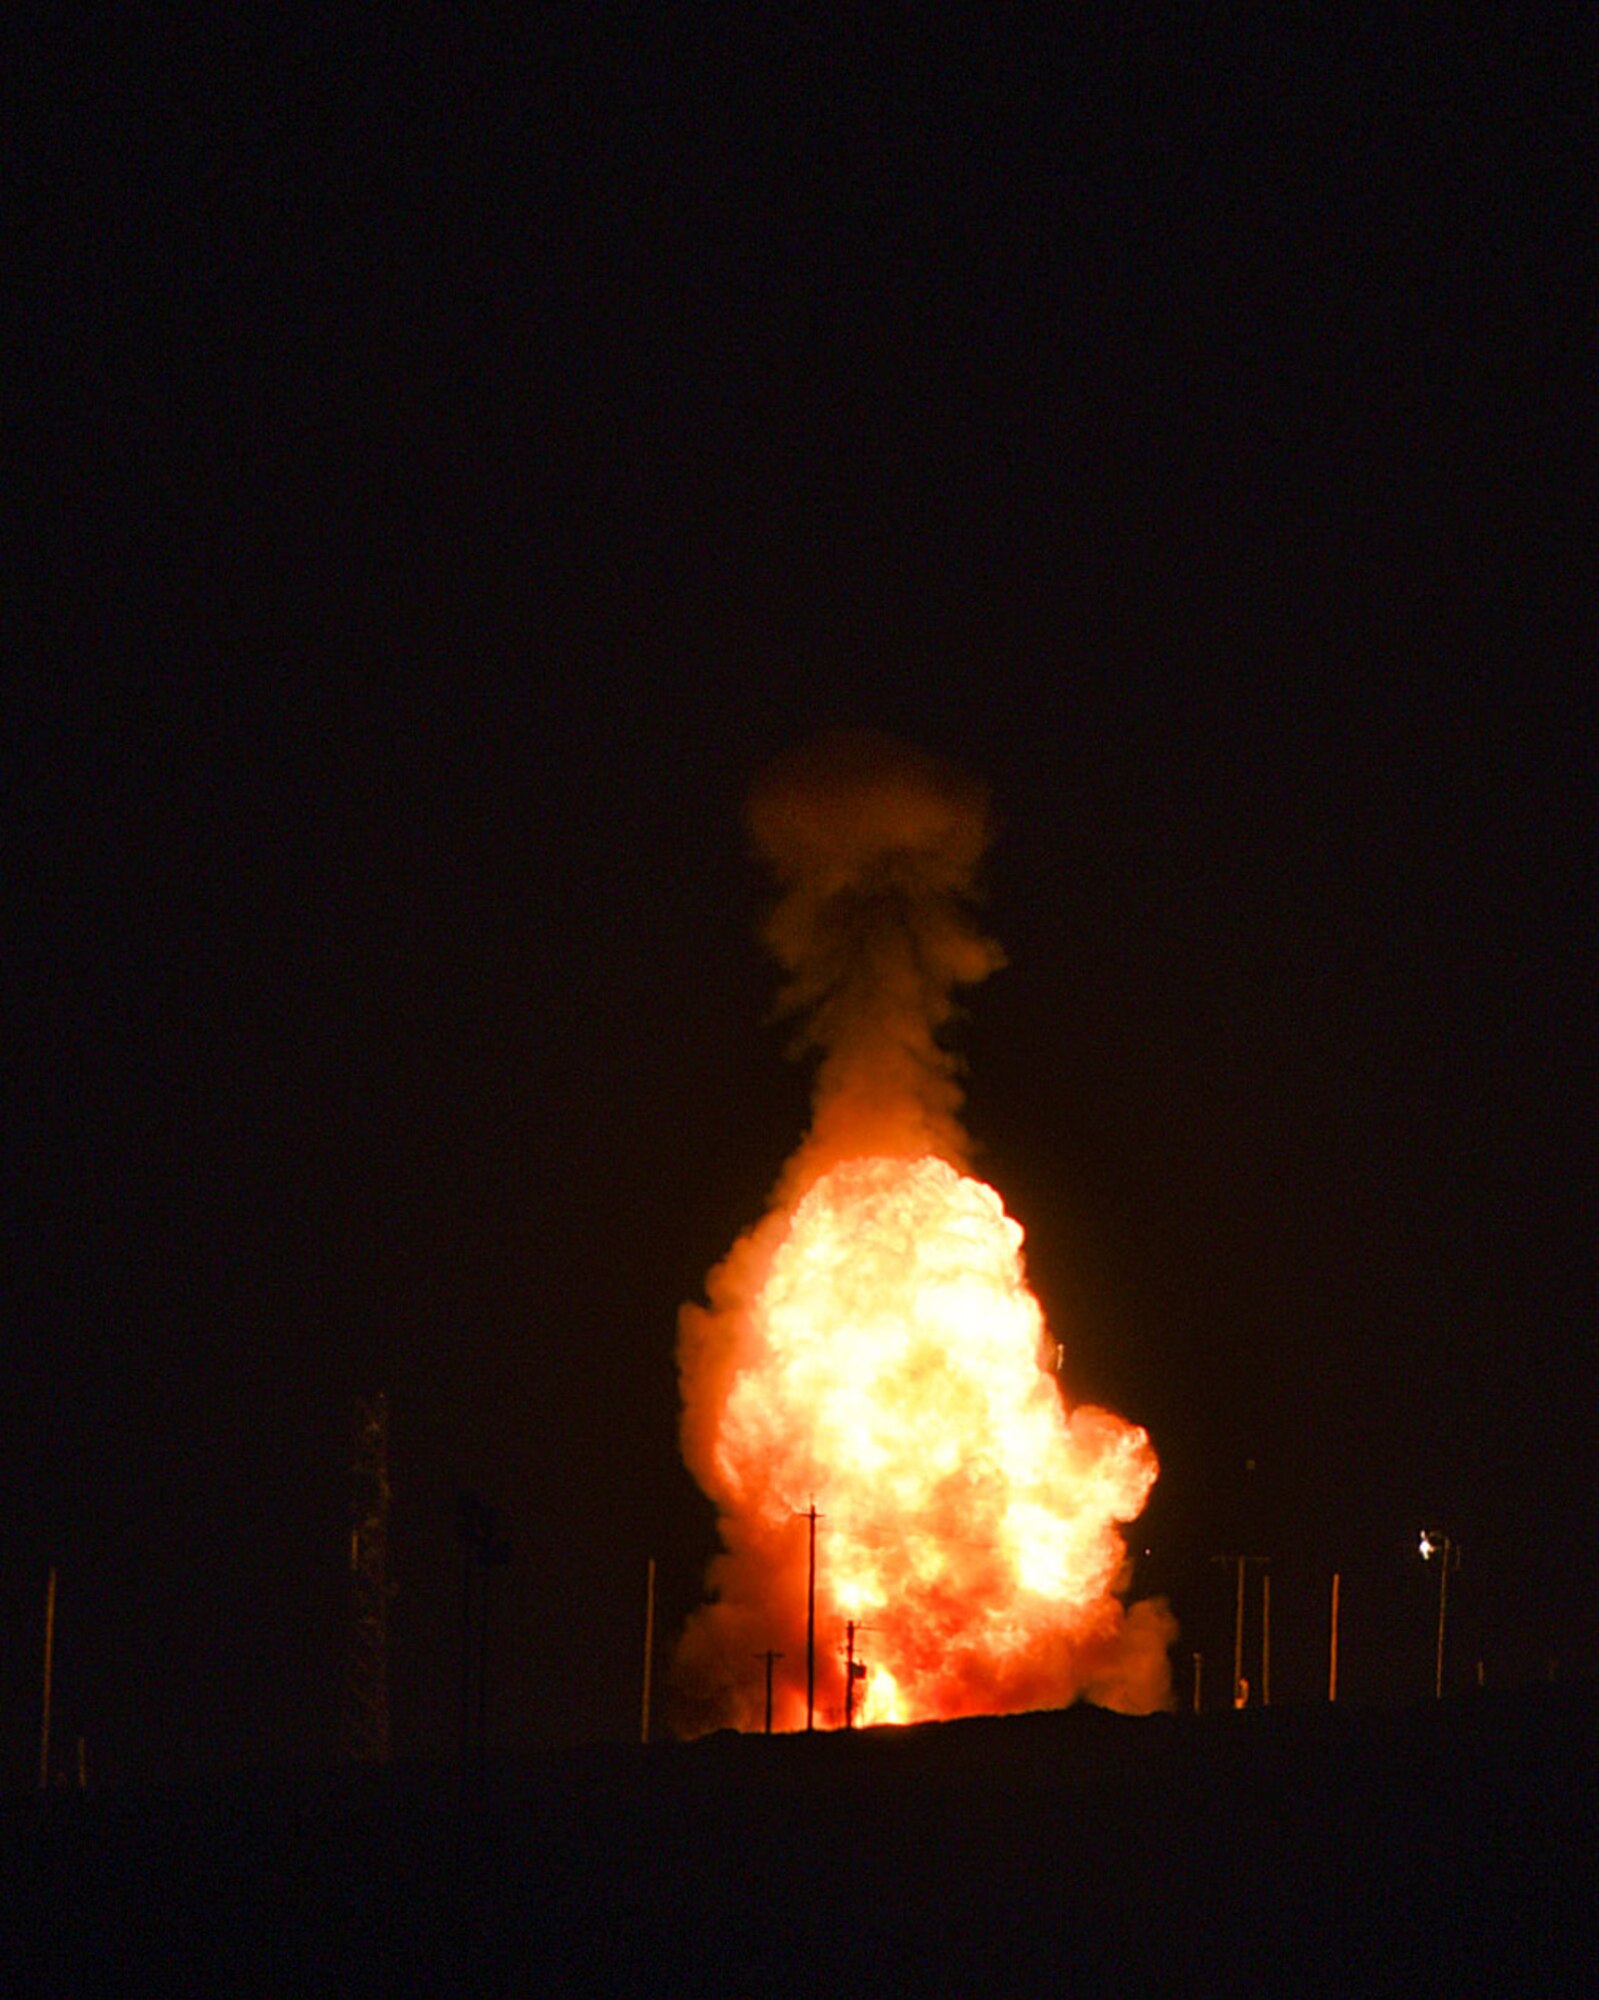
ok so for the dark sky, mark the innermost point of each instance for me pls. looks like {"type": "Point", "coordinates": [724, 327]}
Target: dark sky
{"type": "Point", "coordinates": [446, 467]}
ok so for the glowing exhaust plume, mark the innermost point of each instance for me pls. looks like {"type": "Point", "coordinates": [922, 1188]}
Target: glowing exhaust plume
{"type": "Point", "coordinates": [872, 1345]}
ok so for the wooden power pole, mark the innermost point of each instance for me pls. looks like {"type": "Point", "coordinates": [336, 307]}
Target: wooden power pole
{"type": "Point", "coordinates": [810, 1514]}
{"type": "Point", "coordinates": [854, 1670]}
{"type": "Point", "coordinates": [484, 1547]}
{"type": "Point", "coordinates": [649, 1648]}
{"type": "Point", "coordinates": [49, 1681]}
{"type": "Point", "coordinates": [365, 1734]}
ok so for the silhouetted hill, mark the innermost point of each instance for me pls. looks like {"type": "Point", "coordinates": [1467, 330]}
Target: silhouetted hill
{"type": "Point", "coordinates": [1435, 1850]}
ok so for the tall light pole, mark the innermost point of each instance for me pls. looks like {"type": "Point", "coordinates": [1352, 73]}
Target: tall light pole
{"type": "Point", "coordinates": [49, 1681]}
{"type": "Point", "coordinates": [1434, 1543]}
{"type": "Point", "coordinates": [649, 1649]}
{"type": "Point", "coordinates": [1240, 1565]}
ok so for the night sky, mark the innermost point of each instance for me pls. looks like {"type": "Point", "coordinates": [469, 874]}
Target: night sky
{"type": "Point", "coordinates": [447, 467]}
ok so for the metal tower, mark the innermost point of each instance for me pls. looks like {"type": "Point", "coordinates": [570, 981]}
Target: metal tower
{"type": "Point", "coordinates": [365, 1733]}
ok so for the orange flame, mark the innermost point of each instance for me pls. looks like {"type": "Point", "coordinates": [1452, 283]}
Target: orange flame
{"type": "Point", "coordinates": [891, 1365]}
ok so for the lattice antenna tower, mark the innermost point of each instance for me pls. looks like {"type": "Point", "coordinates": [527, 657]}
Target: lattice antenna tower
{"type": "Point", "coordinates": [365, 1734]}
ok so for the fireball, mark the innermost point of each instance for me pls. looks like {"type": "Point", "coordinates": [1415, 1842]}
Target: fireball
{"type": "Point", "coordinates": [895, 1371]}
{"type": "Point", "coordinates": [870, 1395]}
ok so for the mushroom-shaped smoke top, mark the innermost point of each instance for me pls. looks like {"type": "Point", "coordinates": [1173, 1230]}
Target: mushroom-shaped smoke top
{"type": "Point", "coordinates": [875, 847]}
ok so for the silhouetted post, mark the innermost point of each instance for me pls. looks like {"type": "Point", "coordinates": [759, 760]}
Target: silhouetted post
{"type": "Point", "coordinates": [1444, 1546]}
{"type": "Point", "coordinates": [482, 1655]}
{"type": "Point", "coordinates": [483, 1546]}
{"type": "Point", "coordinates": [854, 1670]}
{"type": "Point", "coordinates": [1199, 1672]}
{"type": "Point", "coordinates": [1240, 1686]}
{"type": "Point", "coordinates": [1332, 1644]}
{"type": "Point", "coordinates": [810, 1630]}
{"type": "Point", "coordinates": [364, 1733]}
{"type": "Point", "coordinates": [1265, 1638]}
{"type": "Point", "coordinates": [494, 1554]}
{"type": "Point", "coordinates": [464, 1526]}
{"type": "Point", "coordinates": [769, 1657]}
{"type": "Point", "coordinates": [649, 1648]}
{"type": "Point", "coordinates": [49, 1680]}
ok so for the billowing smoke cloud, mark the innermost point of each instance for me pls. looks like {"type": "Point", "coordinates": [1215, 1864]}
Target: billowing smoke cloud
{"type": "Point", "coordinates": [875, 848]}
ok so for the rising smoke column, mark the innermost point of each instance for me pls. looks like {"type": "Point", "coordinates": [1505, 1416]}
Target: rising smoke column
{"type": "Point", "coordinates": [871, 1344]}
{"type": "Point", "coordinates": [874, 846]}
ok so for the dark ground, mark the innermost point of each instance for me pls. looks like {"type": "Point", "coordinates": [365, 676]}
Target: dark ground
{"type": "Point", "coordinates": [1440, 1849]}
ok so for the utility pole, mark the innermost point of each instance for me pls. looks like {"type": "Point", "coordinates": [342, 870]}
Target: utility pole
{"type": "Point", "coordinates": [810, 1631]}
{"type": "Point", "coordinates": [854, 1670]}
{"type": "Point", "coordinates": [49, 1680]}
{"type": "Point", "coordinates": [482, 1699]}
{"type": "Point", "coordinates": [1199, 1675]}
{"type": "Point", "coordinates": [1332, 1644]}
{"type": "Point", "coordinates": [365, 1734]}
{"type": "Point", "coordinates": [770, 1658]}
{"type": "Point", "coordinates": [810, 1514]}
{"type": "Point", "coordinates": [1265, 1638]}
{"type": "Point", "coordinates": [649, 1648]}
{"type": "Point", "coordinates": [466, 1526]}
{"type": "Point", "coordinates": [483, 1547]}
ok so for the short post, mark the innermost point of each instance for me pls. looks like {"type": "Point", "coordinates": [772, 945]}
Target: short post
{"type": "Point", "coordinates": [770, 1656]}
{"type": "Point", "coordinates": [649, 1648]}
{"type": "Point", "coordinates": [49, 1679]}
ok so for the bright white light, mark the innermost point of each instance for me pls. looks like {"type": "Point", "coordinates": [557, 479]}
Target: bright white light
{"type": "Point", "coordinates": [1427, 1546]}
